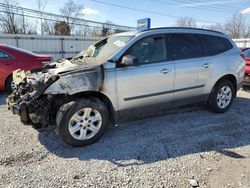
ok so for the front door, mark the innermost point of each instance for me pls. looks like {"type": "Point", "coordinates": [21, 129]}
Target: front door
{"type": "Point", "coordinates": [149, 86]}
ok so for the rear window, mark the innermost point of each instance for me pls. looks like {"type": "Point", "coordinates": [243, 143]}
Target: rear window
{"type": "Point", "coordinates": [214, 45]}
{"type": "Point", "coordinates": [3, 55]}
{"type": "Point", "coordinates": [184, 46]}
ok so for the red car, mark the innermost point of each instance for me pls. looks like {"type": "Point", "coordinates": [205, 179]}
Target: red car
{"type": "Point", "coordinates": [12, 58]}
{"type": "Point", "coordinates": [246, 53]}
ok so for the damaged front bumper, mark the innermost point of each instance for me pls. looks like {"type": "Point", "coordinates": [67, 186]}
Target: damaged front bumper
{"type": "Point", "coordinates": [18, 109]}
{"type": "Point", "coordinates": [35, 112]}
{"type": "Point", "coordinates": [28, 100]}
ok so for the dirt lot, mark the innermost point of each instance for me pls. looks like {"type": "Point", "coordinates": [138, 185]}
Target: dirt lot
{"type": "Point", "coordinates": [166, 151]}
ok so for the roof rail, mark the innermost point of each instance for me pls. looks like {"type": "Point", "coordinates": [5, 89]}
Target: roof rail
{"type": "Point", "coordinates": [188, 28]}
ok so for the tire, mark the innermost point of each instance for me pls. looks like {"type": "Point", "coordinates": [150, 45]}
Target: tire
{"type": "Point", "coordinates": [76, 121]}
{"type": "Point", "coordinates": [219, 101]}
{"type": "Point", "coordinates": [8, 84]}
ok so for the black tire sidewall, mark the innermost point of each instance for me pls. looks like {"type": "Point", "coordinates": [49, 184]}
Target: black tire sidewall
{"type": "Point", "coordinates": [212, 103]}
{"type": "Point", "coordinates": [66, 115]}
{"type": "Point", "coordinates": [8, 84]}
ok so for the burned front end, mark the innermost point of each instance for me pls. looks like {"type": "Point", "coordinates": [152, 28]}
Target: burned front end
{"type": "Point", "coordinates": [28, 100]}
{"type": "Point", "coordinates": [40, 93]}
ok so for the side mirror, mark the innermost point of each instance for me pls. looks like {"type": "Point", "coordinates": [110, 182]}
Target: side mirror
{"type": "Point", "coordinates": [129, 60]}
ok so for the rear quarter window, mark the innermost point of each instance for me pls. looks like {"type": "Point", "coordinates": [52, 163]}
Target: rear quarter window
{"type": "Point", "coordinates": [214, 45]}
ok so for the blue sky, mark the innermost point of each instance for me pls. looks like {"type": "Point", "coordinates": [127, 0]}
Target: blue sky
{"type": "Point", "coordinates": [206, 12]}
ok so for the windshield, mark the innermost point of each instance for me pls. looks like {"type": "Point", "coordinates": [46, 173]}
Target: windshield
{"type": "Point", "coordinates": [105, 48]}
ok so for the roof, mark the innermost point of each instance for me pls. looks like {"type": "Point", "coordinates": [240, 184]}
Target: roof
{"type": "Point", "coordinates": [186, 28]}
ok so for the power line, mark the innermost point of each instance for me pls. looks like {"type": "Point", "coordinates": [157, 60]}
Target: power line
{"type": "Point", "coordinates": [31, 12]}
{"type": "Point", "coordinates": [147, 11]}
{"type": "Point", "coordinates": [217, 6]}
{"type": "Point", "coordinates": [47, 19]}
{"type": "Point", "coordinates": [210, 8]}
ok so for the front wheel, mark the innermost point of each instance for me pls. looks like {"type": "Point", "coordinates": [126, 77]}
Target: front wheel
{"type": "Point", "coordinates": [82, 122]}
{"type": "Point", "coordinates": [221, 97]}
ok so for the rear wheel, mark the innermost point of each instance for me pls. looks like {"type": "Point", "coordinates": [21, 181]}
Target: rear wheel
{"type": "Point", "coordinates": [82, 122]}
{"type": "Point", "coordinates": [10, 86]}
{"type": "Point", "coordinates": [222, 97]}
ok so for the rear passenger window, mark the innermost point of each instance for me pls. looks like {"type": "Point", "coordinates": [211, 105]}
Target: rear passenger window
{"type": "Point", "coordinates": [185, 46]}
{"type": "Point", "coordinates": [214, 45]}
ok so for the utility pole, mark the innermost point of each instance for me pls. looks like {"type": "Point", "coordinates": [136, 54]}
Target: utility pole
{"type": "Point", "coordinates": [23, 22]}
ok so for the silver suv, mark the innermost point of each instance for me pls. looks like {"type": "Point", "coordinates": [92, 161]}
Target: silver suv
{"type": "Point", "coordinates": [128, 75]}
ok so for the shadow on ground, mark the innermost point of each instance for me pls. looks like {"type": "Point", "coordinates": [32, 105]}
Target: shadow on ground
{"type": "Point", "coordinates": [163, 137]}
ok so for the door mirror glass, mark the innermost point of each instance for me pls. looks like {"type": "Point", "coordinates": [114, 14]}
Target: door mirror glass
{"type": "Point", "coordinates": [129, 60]}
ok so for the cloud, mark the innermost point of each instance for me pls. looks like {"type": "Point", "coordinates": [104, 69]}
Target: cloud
{"type": "Point", "coordinates": [207, 3]}
{"type": "Point", "coordinates": [245, 11]}
{"type": "Point", "coordinates": [88, 11]}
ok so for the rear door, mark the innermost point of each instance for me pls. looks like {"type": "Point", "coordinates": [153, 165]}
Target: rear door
{"type": "Point", "coordinates": [149, 86]}
{"type": "Point", "coordinates": [7, 64]}
{"type": "Point", "coordinates": [6, 60]}
{"type": "Point", "coordinates": [192, 69]}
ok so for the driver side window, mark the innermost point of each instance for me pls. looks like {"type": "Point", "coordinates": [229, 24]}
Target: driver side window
{"type": "Point", "coordinates": [149, 50]}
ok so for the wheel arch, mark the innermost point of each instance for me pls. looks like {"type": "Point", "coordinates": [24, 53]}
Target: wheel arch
{"type": "Point", "coordinates": [104, 99]}
{"type": "Point", "coordinates": [7, 77]}
{"type": "Point", "coordinates": [231, 78]}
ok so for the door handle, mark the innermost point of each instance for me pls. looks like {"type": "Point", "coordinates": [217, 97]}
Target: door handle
{"type": "Point", "coordinates": [206, 65]}
{"type": "Point", "coordinates": [165, 71]}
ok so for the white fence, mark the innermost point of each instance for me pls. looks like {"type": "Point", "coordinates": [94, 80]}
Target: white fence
{"type": "Point", "coordinates": [63, 46]}
{"type": "Point", "coordinates": [57, 46]}
{"type": "Point", "coordinates": [242, 43]}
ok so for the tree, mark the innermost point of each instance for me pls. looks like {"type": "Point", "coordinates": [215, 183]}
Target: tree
{"type": "Point", "coordinates": [186, 22]}
{"type": "Point", "coordinates": [216, 27]}
{"type": "Point", "coordinates": [48, 27]}
{"type": "Point", "coordinates": [10, 22]}
{"type": "Point", "coordinates": [237, 27]}
{"type": "Point", "coordinates": [41, 4]}
{"type": "Point", "coordinates": [106, 29]}
{"type": "Point", "coordinates": [62, 28]}
{"type": "Point", "coordinates": [72, 11]}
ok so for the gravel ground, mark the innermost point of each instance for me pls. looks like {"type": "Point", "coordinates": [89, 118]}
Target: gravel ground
{"type": "Point", "coordinates": [189, 146]}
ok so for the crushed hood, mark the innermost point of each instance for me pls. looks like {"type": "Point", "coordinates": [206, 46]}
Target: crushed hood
{"type": "Point", "coordinates": [63, 77]}
{"type": "Point", "coordinates": [66, 65]}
